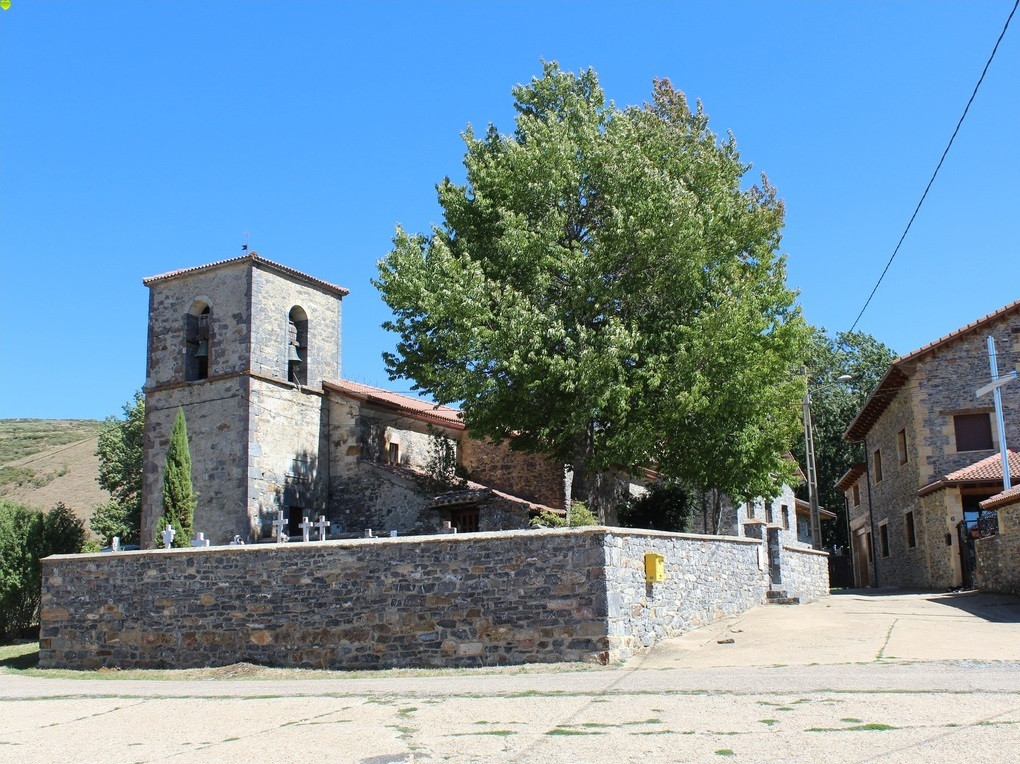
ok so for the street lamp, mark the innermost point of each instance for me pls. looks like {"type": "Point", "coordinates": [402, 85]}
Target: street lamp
{"type": "Point", "coordinates": [812, 476]}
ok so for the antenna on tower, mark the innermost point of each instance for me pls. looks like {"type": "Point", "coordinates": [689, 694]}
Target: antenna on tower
{"type": "Point", "coordinates": [247, 237]}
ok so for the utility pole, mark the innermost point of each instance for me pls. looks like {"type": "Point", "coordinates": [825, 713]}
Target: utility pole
{"type": "Point", "coordinates": [995, 387]}
{"type": "Point", "coordinates": [812, 476]}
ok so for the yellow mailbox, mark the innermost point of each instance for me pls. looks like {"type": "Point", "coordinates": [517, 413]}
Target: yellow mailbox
{"type": "Point", "coordinates": [655, 568]}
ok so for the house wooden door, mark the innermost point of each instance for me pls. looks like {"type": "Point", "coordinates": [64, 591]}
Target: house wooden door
{"type": "Point", "coordinates": [861, 552]}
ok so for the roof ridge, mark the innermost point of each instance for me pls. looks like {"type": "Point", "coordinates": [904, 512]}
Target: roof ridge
{"type": "Point", "coordinates": [254, 257]}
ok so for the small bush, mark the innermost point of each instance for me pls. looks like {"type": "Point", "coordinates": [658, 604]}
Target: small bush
{"type": "Point", "coordinates": [580, 516]}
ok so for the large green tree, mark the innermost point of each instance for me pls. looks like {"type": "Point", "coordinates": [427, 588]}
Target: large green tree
{"type": "Point", "coordinates": [120, 472]}
{"type": "Point", "coordinates": [606, 289]}
{"type": "Point", "coordinates": [833, 407]}
{"type": "Point", "coordinates": [178, 492]}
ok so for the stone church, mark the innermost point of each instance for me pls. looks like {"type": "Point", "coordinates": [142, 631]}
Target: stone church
{"type": "Point", "coordinates": [250, 350]}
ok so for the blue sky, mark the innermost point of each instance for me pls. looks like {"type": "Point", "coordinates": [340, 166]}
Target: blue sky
{"type": "Point", "coordinates": [136, 138]}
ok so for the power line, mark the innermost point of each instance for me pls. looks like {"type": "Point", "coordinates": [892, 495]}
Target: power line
{"type": "Point", "coordinates": [939, 166]}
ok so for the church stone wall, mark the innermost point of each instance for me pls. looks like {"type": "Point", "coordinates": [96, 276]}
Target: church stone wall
{"type": "Point", "coordinates": [226, 291]}
{"type": "Point", "coordinates": [459, 600]}
{"type": "Point", "coordinates": [273, 296]}
{"type": "Point", "coordinates": [288, 464]}
{"type": "Point", "coordinates": [216, 413]}
{"type": "Point", "coordinates": [535, 477]}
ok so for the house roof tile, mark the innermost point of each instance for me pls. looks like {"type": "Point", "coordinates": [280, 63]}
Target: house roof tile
{"type": "Point", "coordinates": [987, 470]}
{"type": "Point", "coordinates": [415, 408]}
{"type": "Point", "coordinates": [1012, 496]}
{"type": "Point", "coordinates": [253, 257]}
{"type": "Point", "coordinates": [898, 374]}
{"type": "Point", "coordinates": [850, 476]}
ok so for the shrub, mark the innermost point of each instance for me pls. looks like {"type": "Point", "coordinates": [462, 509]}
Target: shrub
{"type": "Point", "coordinates": [580, 516]}
{"type": "Point", "coordinates": [26, 536]}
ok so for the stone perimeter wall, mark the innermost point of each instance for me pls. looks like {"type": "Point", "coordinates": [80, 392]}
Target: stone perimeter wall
{"type": "Point", "coordinates": [460, 600]}
{"type": "Point", "coordinates": [997, 568]}
{"type": "Point", "coordinates": [805, 572]}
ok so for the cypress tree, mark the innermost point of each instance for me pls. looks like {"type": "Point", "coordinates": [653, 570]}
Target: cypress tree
{"type": "Point", "coordinates": [178, 493]}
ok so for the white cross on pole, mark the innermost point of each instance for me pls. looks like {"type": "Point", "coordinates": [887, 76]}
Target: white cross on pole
{"type": "Point", "coordinates": [279, 524]}
{"type": "Point", "coordinates": [322, 524]}
{"type": "Point", "coordinates": [306, 527]}
{"type": "Point", "coordinates": [996, 387]}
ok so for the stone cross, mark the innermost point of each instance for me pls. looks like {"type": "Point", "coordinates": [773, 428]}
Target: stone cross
{"type": "Point", "coordinates": [368, 533]}
{"type": "Point", "coordinates": [115, 544]}
{"type": "Point", "coordinates": [168, 536]}
{"type": "Point", "coordinates": [322, 524]}
{"type": "Point", "coordinates": [237, 541]}
{"type": "Point", "coordinates": [279, 524]}
{"type": "Point", "coordinates": [306, 527]}
{"type": "Point", "coordinates": [200, 540]}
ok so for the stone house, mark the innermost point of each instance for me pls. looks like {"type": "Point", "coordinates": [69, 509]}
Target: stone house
{"type": "Point", "coordinates": [931, 459]}
{"type": "Point", "coordinates": [250, 350]}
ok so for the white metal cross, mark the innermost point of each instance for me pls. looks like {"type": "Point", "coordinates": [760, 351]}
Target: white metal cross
{"type": "Point", "coordinates": [306, 527]}
{"type": "Point", "coordinates": [279, 524]}
{"type": "Point", "coordinates": [322, 524]}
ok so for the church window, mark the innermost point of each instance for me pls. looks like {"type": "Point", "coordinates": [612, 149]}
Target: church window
{"type": "Point", "coordinates": [196, 343]}
{"type": "Point", "coordinates": [393, 455]}
{"type": "Point", "coordinates": [297, 346]}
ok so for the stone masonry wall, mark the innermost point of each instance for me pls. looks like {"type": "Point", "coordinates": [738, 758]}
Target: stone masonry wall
{"type": "Point", "coordinates": [998, 569]}
{"type": "Point", "coordinates": [706, 578]}
{"type": "Point", "coordinates": [805, 572]}
{"type": "Point", "coordinates": [216, 413]}
{"type": "Point", "coordinates": [458, 600]}
{"type": "Point", "coordinates": [534, 477]}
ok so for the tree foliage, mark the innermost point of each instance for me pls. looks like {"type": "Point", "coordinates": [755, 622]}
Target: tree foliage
{"type": "Point", "coordinates": [667, 506]}
{"type": "Point", "coordinates": [833, 407]}
{"type": "Point", "coordinates": [26, 536]}
{"type": "Point", "coordinates": [178, 493]}
{"type": "Point", "coordinates": [604, 290]}
{"type": "Point", "coordinates": [578, 516]}
{"type": "Point", "coordinates": [120, 472]}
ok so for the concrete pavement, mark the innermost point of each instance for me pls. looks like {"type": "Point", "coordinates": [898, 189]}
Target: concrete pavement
{"type": "Point", "coordinates": [854, 678]}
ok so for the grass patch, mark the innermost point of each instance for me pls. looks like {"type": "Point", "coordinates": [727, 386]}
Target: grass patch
{"type": "Point", "coordinates": [768, 722]}
{"type": "Point", "coordinates": [725, 752]}
{"type": "Point", "coordinates": [561, 731]}
{"type": "Point", "coordinates": [656, 732]}
{"type": "Point", "coordinates": [23, 437]}
{"type": "Point", "coordinates": [491, 733]}
{"type": "Point", "coordinates": [850, 720]}
{"type": "Point", "coordinates": [870, 727]}
{"type": "Point", "coordinates": [19, 657]}
{"type": "Point", "coordinates": [407, 711]}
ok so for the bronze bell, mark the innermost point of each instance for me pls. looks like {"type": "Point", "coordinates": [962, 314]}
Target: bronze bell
{"type": "Point", "coordinates": [294, 355]}
{"type": "Point", "coordinates": [203, 349]}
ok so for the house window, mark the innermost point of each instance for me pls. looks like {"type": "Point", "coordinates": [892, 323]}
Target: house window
{"type": "Point", "coordinates": [973, 432]}
{"type": "Point", "coordinates": [393, 454]}
{"type": "Point", "coordinates": [901, 446]}
{"type": "Point", "coordinates": [857, 495]}
{"type": "Point", "coordinates": [750, 510]}
{"type": "Point", "coordinates": [883, 538]}
{"type": "Point", "coordinates": [196, 343]}
{"type": "Point", "coordinates": [785, 510]}
{"type": "Point", "coordinates": [768, 512]}
{"type": "Point", "coordinates": [877, 463]}
{"type": "Point", "coordinates": [908, 520]}
{"type": "Point", "coordinates": [297, 346]}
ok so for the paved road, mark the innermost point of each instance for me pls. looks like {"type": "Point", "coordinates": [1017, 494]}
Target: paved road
{"type": "Point", "coordinates": [855, 678]}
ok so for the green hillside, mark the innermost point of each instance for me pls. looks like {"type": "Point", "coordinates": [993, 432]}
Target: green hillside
{"type": "Point", "coordinates": [23, 437]}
